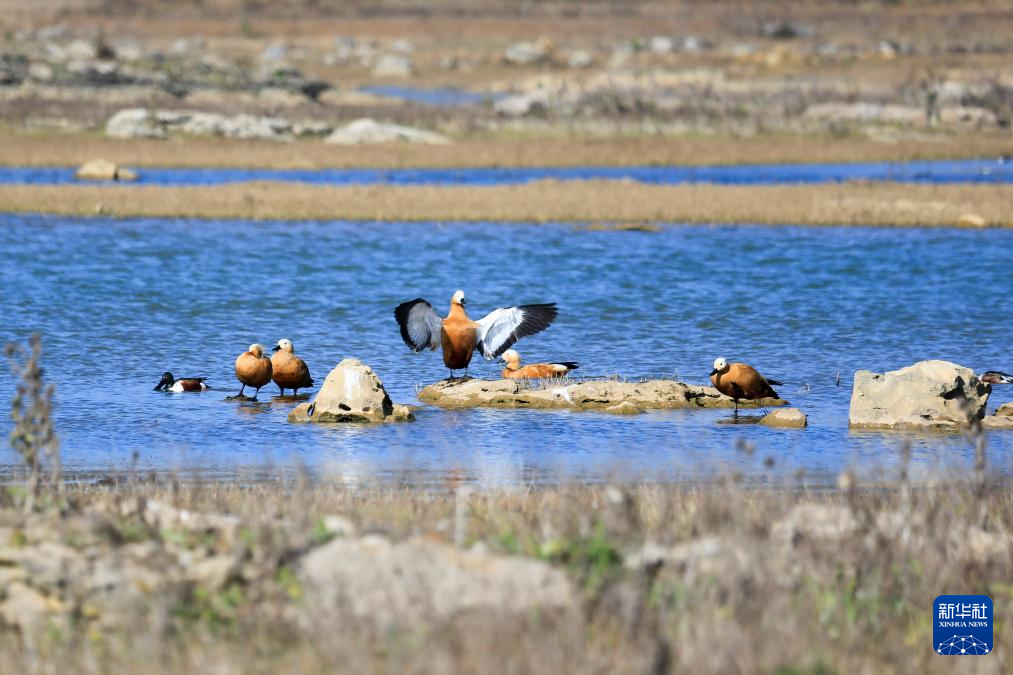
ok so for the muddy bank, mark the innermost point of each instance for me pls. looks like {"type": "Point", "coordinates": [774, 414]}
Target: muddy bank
{"type": "Point", "coordinates": [621, 398]}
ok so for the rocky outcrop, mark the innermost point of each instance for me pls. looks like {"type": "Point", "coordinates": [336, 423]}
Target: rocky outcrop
{"type": "Point", "coordinates": [143, 123]}
{"type": "Point", "coordinates": [352, 392]}
{"type": "Point", "coordinates": [789, 418]}
{"type": "Point", "coordinates": [652, 394]}
{"type": "Point", "coordinates": [365, 130]}
{"type": "Point", "coordinates": [927, 395]}
{"type": "Point", "coordinates": [103, 169]}
{"type": "Point", "coordinates": [422, 581]}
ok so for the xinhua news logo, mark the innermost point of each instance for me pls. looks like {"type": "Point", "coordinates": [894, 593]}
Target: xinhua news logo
{"type": "Point", "coordinates": [962, 625]}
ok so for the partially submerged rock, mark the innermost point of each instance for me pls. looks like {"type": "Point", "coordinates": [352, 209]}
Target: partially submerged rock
{"type": "Point", "coordinates": [652, 394]}
{"type": "Point", "coordinates": [354, 393]}
{"type": "Point", "coordinates": [791, 418]}
{"type": "Point", "coordinates": [103, 169]}
{"type": "Point", "coordinates": [387, 584]}
{"type": "Point", "coordinates": [366, 131]}
{"type": "Point", "coordinates": [927, 395]}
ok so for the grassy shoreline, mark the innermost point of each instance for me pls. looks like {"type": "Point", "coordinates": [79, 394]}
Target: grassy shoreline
{"type": "Point", "coordinates": [845, 204]}
{"type": "Point", "coordinates": [550, 150]}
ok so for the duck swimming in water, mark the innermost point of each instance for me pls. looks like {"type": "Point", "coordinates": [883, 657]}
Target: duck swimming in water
{"type": "Point", "coordinates": [169, 383]}
{"type": "Point", "coordinates": [996, 377]}
{"type": "Point", "coordinates": [533, 371]}
{"type": "Point", "coordinates": [459, 336]}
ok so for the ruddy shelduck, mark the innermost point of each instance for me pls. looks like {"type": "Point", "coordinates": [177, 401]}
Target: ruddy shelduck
{"type": "Point", "coordinates": [253, 369]}
{"type": "Point", "coordinates": [533, 371]}
{"type": "Point", "coordinates": [170, 383]}
{"type": "Point", "coordinates": [288, 370]}
{"type": "Point", "coordinates": [459, 336]}
{"type": "Point", "coordinates": [741, 381]}
{"type": "Point", "coordinates": [996, 377]}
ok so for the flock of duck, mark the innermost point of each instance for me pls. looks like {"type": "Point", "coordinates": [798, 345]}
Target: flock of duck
{"type": "Point", "coordinates": [460, 337]}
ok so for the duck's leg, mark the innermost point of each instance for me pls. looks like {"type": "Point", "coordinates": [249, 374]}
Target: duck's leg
{"type": "Point", "coordinates": [255, 394]}
{"type": "Point", "coordinates": [451, 374]}
{"type": "Point", "coordinates": [241, 390]}
{"type": "Point", "coordinates": [736, 401]}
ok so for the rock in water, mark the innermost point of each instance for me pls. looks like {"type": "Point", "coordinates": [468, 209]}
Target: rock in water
{"type": "Point", "coordinates": [387, 584]}
{"type": "Point", "coordinates": [352, 392]}
{"type": "Point", "coordinates": [789, 418]}
{"type": "Point", "coordinates": [927, 395]}
{"type": "Point", "coordinates": [103, 169]}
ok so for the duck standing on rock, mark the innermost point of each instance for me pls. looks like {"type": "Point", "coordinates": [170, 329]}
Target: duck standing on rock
{"type": "Point", "coordinates": [459, 336]}
{"type": "Point", "coordinates": [289, 371]}
{"type": "Point", "coordinates": [533, 371]}
{"type": "Point", "coordinates": [170, 383]}
{"type": "Point", "coordinates": [741, 381]}
{"type": "Point", "coordinates": [253, 369]}
{"type": "Point", "coordinates": [996, 377]}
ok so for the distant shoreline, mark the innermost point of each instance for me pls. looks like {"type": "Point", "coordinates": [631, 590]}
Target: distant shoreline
{"type": "Point", "coordinates": [595, 201]}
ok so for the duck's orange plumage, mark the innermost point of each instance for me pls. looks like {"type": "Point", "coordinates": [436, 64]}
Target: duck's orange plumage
{"type": "Point", "coordinates": [534, 371]}
{"type": "Point", "coordinates": [741, 381]}
{"type": "Point", "coordinates": [253, 369]}
{"type": "Point", "coordinates": [460, 337]}
{"type": "Point", "coordinates": [288, 370]}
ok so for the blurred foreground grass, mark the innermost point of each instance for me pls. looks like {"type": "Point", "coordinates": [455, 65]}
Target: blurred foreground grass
{"type": "Point", "coordinates": [172, 577]}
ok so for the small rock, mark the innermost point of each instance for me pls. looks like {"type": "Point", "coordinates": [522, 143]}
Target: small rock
{"type": "Point", "coordinates": [580, 58]}
{"type": "Point", "coordinates": [994, 422]}
{"type": "Point", "coordinates": [792, 418]}
{"type": "Point", "coordinates": [133, 123]}
{"type": "Point", "coordinates": [24, 608]}
{"type": "Point", "coordinates": [392, 66]}
{"type": "Point", "coordinates": [367, 131]}
{"type": "Point", "coordinates": [661, 44]}
{"type": "Point", "coordinates": [1006, 409]}
{"type": "Point", "coordinates": [80, 49]}
{"type": "Point", "coordinates": [40, 71]}
{"type": "Point", "coordinates": [526, 53]}
{"type": "Point", "coordinates": [214, 573]}
{"type": "Point", "coordinates": [520, 105]}
{"type": "Point", "coordinates": [971, 220]}
{"type": "Point", "coordinates": [815, 522]}
{"type": "Point", "coordinates": [624, 408]}
{"type": "Point", "coordinates": [103, 169]}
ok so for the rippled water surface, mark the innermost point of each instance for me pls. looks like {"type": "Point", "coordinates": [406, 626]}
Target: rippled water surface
{"type": "Point", "coordinates": [121, 301]}
{"type": "Point", "coordinates": [950, 171]}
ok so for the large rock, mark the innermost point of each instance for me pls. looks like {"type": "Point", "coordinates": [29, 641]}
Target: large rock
{"type": "Point", "coordinates": [352, 392]}
{"type": "Point", "coordinates": [652, 394]}
{"type": "Point", "coordinates": [417, 581]}
{"type": "Point", "coordinates": [927, 395]}
{"type": "Point", "coordinates": [103, 169]}
{"type": "Point", "coordinates": [367, 130]}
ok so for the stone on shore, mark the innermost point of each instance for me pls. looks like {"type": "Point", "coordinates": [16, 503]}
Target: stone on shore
{"type": "Point", "coordinates": [649, 395]}
{"type": "Point", "coordinates": [366, 130]}
{"type": "Point", "coordinates": [421, 581]}
{"type": "Point", "coordinates": [1006, 409]}
{"type": "Point", "coordinates": [352, 393]}
{"type": "Point", "coordinates": [927, 395]}
{"type": "Point", "coordinates": [789, 418]}
{"type": "Point", "coordinates": [103, 169]}
{"type": "Point", "coordinates": [134, 123]}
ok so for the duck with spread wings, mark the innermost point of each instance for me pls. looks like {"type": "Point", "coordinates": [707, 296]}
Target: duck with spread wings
{"type": "Point", "coordinates": [459, 336]}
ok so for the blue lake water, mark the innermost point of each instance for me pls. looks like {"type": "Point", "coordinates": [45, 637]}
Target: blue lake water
{"type": "Point", "coordinates": [949, 171]}
{"type": "Point", "coordinates": [435, 97]}
{"type": "Point", "coordinates": [120, 301]}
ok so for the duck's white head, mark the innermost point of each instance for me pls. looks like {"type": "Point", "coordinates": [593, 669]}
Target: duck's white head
{"type": "Point", "coordinates": [457, 298]}
{"type": "Point", "coordinates": [720, 365]}
{"type": "Point", "coordinates": [256, 350]}
{"type": "Point", "coordinates": [511, 356]}
{"type": "Point", "coordinates": [284, 345]}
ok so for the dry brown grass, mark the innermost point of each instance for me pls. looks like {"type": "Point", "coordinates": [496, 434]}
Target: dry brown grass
{"type": "Point", "coordinates": [20, 149]}
{"type": "Point", "coordinates": [788, 581]}
{"type": "Point", "coordinates": [877, 204]}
